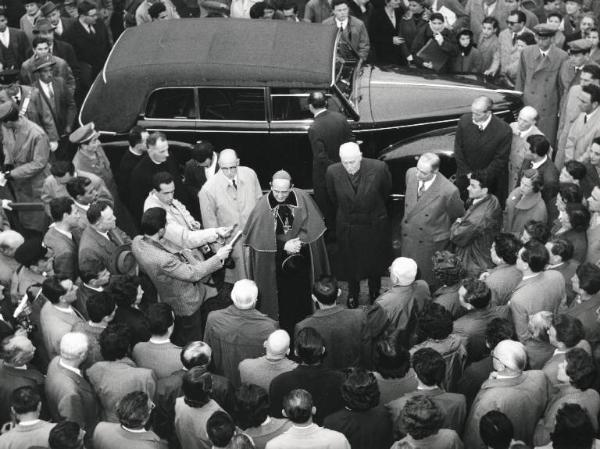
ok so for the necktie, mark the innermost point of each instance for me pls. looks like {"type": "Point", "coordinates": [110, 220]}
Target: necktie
{"type": "Point", "coordinates": [585, 117]}
{"type": "Point", "coordinates": [50, 92]}
{"type": "Point", "coordinates": [421, 189]}
{"type": "Point", "coordinates": [91, 29]}
{"type": "Point", "coordinates": [514, 38]}
{"type": "Point", "coordinates": [234, 184]}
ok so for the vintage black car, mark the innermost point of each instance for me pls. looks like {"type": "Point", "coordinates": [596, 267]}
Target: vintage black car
{"type": "Point", "coordinates": [244, 84]}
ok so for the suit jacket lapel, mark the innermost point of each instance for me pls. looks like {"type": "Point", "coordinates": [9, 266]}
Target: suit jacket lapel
{"type": "Point", "coordinates": [365, 179]}
{"type": "Point", "coordinates": [431, 193]}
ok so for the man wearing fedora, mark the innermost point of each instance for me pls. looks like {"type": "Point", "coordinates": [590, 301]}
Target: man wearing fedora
{"type": "Point", "coordinates": [57, 45]}
{"type": "Point", "coordinates": [61, 25]}
{"type": "Point", "coordinates": [60, 68]}
{"type": "Point", "coordinates": [26, 153]}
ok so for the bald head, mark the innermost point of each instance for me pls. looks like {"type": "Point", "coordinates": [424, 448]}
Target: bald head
{"type": "Point", "coordinates": [278, 344]}
{"type": "Point", "coordinates": [228, 157]}
{"type": "Point", "coordinates": [511, 354]}
{"type": "Point", "coordinates": [244, 294]}
{"type": "Point", "coordinates": [350, 156]}
{"type": "Point", "coordinates": [527, 118]}
{"type": "Point", "coordinates": [9, 242]}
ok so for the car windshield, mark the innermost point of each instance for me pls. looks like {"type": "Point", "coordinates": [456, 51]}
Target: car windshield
{"type": "Point", "coordinates": [346, 64]}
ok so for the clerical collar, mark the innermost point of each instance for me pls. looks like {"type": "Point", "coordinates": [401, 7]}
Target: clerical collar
{"type": "Point", "coordinates": [291, 200]}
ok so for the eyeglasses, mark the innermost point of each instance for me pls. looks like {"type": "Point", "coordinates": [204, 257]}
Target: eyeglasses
{"type": "Point", "coordinates": [511, 22]}
{"type": "Point", "coordinates": [229, 168]}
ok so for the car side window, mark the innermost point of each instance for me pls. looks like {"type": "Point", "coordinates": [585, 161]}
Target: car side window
{"type": "Point", "coordinates": [231, 104]}
{"type": "Point", "coordinates": [292, 104]}
{"type": "Point", "coordinates": [176, 103]}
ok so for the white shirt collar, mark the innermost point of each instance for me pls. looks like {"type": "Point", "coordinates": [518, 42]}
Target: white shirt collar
{"type": "Point", "coordinates": [31, 422]}
{"type": "Point", "coordinates": [343, 24]}
{"type": "Point", "coordinates": [539, 163]}
{"type": "Point", "coordinates": [70, 368]}
{"type": "Point", "coordinates": [159, 340]}
{"type": "Point", "coordinates": [85, 207]}
{"type": "Point", "coordinates": [212, 168]}
{"type": "Point", "coordinates": [98, 325]}
{"type": "Point", "coordinates": [127, 429]}
{"type": "Point", "coordinates": [68, 310]}
{"type": "Point", "coordinates": [96, 289]}
{"type": "Point", "coordinates": [483, 125]}
{"type": "Point", "coordinates": [59, 28]}
{"type": "Point", "coordinates": [5, 37]}
{"type": "Point", "coordinates": [65, 233]}
{"type": "Point", "coordinates": [524, 278]}
{"type": "Point", "coordinates": [103, 234]}
{"type": "Point", "coordinates": [427, 184]}
{"type": "Point", "coordinates": [134, 152]}
{"type": "Point", "coordinates": [591, 114]}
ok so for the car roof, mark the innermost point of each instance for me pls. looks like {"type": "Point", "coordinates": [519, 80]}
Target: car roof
{"type": "Point", "coordinates": [208, 51]}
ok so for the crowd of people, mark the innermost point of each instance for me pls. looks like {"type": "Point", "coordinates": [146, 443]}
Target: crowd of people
{"type": "Point", "coordinates": [168, 303]}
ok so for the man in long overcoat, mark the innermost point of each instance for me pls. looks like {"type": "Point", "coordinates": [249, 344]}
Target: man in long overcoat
{"type": "Point", "coordinates": [358, 189]}
{"type": "Point", "coordinates": [539, 79]}
{"type": "Point", "coordinates": [329, 130]}
{"type": "Point", "coordinates": [432, 204]}
{"type": "Point", "coordinates": [26, 152]}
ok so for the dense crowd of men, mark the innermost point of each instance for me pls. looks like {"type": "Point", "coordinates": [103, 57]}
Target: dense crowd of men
{"type": "Point", "coordinates": [163, 303]}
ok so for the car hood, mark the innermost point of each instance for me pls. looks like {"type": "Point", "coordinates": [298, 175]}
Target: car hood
{"type": "Point", "coordinates": [407, 95]}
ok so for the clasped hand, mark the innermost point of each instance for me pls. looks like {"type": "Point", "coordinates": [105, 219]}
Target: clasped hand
{"type": "Point", "coordinates": [293, 246]}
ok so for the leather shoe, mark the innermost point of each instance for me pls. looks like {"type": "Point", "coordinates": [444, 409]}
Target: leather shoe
{"type": "Point", "coordinates": [352, 302]}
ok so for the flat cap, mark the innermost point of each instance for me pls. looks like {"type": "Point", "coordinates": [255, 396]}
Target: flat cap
{"type": "Point", "coordinates": [47, 8]}
{"type": "Point", "coordinates": [545, 29]}
{"type": "Point", "coordinates": [7, 109]}
{"type": "Point", "coordinates": [580, 46]}
{"type": "Point", "coordinates": [30, 252]}
{"type": "Point", "coordinates": [43, 62]}
{"type": "Point", "coordinates": [83, 134]}
{"type": "Point", "coordinates": [42, 25]}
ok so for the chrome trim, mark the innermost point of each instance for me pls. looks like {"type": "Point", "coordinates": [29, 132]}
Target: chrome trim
{"type": "Point", "coordinates": [110, 54]}
{"type": "Point", "coordinates": [210, 131]}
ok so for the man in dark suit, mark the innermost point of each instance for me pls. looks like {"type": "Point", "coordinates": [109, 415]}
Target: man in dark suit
{"type": "Point", "coordinates": [157, 159]}
{"type": "Point", "coordinates": [60, 238]}
{"type": "Point", "coordinates": [69, 394]}
{"type": "Point", "coordinates": [344, 330]}
{"type": "Point", "coordinates": [14, 44]}
{"type": "Point", "coordinates": [430, 367]}
{"type": "Point", "coordinates": [59, 98]}
{"type": "Point", "coordinates": [432, 204]}
{"type": "Point", "coordinates": [359, 189]}
{"type": "Point", "coordinates": [329, 130]}
{"type": "Point", "coordinates": [482, 143]}
{"type": "Point", "coordinates": [137, 148]}
{"type": "Point", "coordinates": [62, 25]}
{"type": "Point", "coordinates": [100, 241]}
{"type": "Point", "coordinates": [592, 168]}
{"type": "Point", "coordinates": [322, 383]}
{"type": "Point", "coordinates": [89, 37]}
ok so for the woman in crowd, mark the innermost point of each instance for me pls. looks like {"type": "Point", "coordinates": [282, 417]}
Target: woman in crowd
{"type": "Point", "coordinates": [468, 59]}
{"type": "Point", "coordinates": [573, 429]}
{"type": "Point", "coordinates": [387, 40]}
{"type": "Point", "coordinates": [593, 35]}
{"type": "Point", "coordinates": [575, 172]}
{"type": "Point", "coordinates": [576, 377]}
{"type": "Point", "coordinates": [393, 373]}
{"type": "Point", "coordinates": [525, 203]}
{"type": "Point", "coordinates": [572, 225]}
{"type": "Point", "coordinates": [435, 45]}
{"type": "Point", "coordinates": [422, 419]}
{"type": "Point", "coordinates": [538, 346]}
{"type": "Point", "coordinates": [365, 423]}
